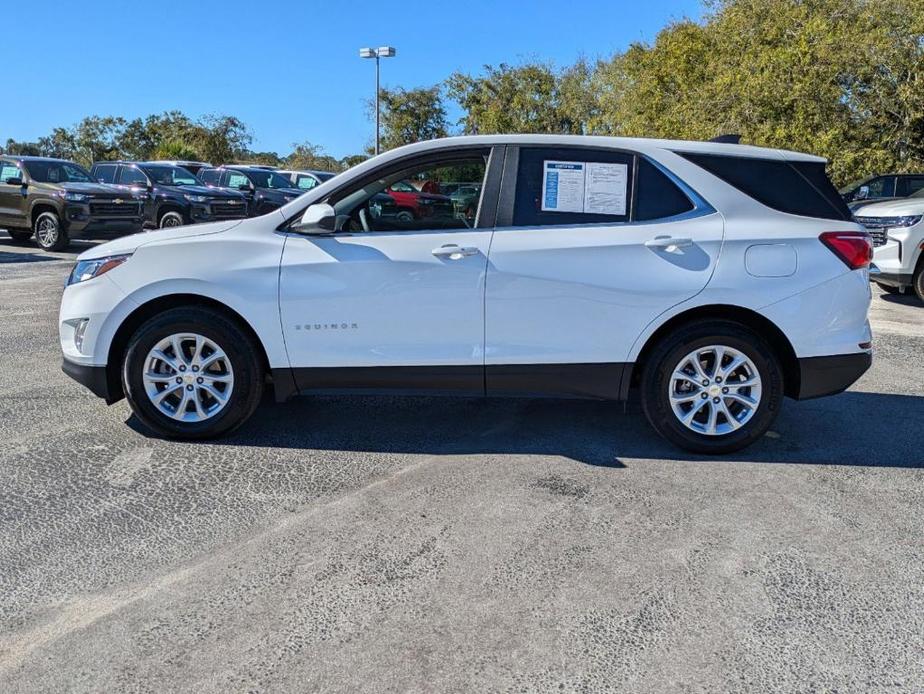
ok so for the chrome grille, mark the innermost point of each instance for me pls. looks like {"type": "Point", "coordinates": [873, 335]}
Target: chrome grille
{"type": "Point", "coordinates": [229, 209]}
{"type": "Point", "coordinates": [110, 208]}
{"type": "Point", "coordinates": [877, 227]}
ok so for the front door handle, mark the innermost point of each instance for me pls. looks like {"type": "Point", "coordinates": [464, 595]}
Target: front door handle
{"type": "Point", "coordinates": [668, 243]}
{"type": "Point", "coordinates": [453, 252]}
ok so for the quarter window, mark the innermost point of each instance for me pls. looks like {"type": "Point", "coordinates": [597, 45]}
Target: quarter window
{"type": "Point", "coordinates": [568, 186]}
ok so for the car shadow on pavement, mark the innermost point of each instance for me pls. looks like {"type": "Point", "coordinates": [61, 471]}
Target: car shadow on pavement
{"type": "Point", "coordinates": [909, 298]}
{"type": "Point", "coordinates": [7, 258]}
{"type": "Point", "coordinates": [854, 429]}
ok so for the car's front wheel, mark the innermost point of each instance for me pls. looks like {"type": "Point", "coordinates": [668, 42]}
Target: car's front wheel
{"type": "Point", "coordinates": [712, 388]}
{"type": "Point", "coordinates": [192, 373]}
{"type": "Point", "coordinates": [171, 219]}
{"type": "Point", "coordinates": [49, 234]}
{"type": "Point", "coordinates": [918, 282]}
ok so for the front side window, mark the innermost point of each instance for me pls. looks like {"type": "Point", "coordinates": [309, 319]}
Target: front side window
{"type": "Point", "coordinates": [405, 200]}
{"type": "Point", "coordinates": [568, 186]}
{"type": "Point", "coordinates": [57, 172]}
{"type": "Point", "coordinates": [131, 176]}
{"type": "Point", "coordinates": [105, 173]}
{"type": "Point", "coordinates": [8, 171]}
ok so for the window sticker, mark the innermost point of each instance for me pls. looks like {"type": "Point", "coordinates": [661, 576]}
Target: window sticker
{"type": "Point", "coordinates": [563, 186]}
{"type": "Point", "coordinates": [587, 187]}
{"type": "Point", "coordinates": [605, 188]}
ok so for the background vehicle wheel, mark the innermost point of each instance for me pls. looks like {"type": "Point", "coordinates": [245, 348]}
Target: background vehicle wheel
{"type": "Point", "coordinates": [171, 219]}
{"type": "Point", "coordinates": [192, 373]}
{"type": "Point", "coordinates": [49, 234]}
{"type": "Point", "coordinates": [889, 289]}
{"type": "Point", "coordinates": [405, 216]}
{"type": "Point", "coordinates": [712, 388]}
{"type": "Point", "coordinates": [19, 234]}
{"type": "Point", "coordinates": [918, 282]}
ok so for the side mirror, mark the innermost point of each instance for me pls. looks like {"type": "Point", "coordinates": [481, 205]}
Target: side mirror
{"type": "Point", "coordinates": [14, 181]}
{"type": "Point", "coordinates": [318, 219]}
{"type": "Point", "coordinates": [244, 186]}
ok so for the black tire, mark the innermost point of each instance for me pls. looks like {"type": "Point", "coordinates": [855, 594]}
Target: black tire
{"type": "Point", "coordinates": [888, 289]}
{"type": "Point", "coordinates": [19, 234]}
{"type": "Point", "coordinates": [170, 219]}
{"type": "Point", "coordinates": [918, 281]}
{"type": "Point", "coordinates": [668, 355]}
{"type": "Point", "coordinates": [49, 234]}
{"type": "Point", "coordinates": [243, 354]}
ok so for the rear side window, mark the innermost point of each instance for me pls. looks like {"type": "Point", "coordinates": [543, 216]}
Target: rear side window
{"type": "Point", "coordinates": [909, 185]}
{"type": "Point", "coordinates": [657, 196]}
{"type": "Point", "coordinates": [800, 188]}
{"type": "Point", "coordinates": [567, 186]}
{"type": "Point", "coordinates": [210, 176]}
{"type": "Point", "coordinates": [105, 173]}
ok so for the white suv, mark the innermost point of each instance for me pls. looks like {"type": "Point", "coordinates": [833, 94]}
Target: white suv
{"type": "Point", "coordinates": [897, 229]}
{"type": "Point", "coordinates": [714, 278]}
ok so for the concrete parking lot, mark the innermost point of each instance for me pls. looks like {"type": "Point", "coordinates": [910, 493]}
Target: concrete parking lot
{"type": "Point", "coordinates": [381, 544]}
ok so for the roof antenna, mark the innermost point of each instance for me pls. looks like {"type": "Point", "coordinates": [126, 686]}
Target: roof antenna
{"type": "Point", "coordinates": [731, 139]}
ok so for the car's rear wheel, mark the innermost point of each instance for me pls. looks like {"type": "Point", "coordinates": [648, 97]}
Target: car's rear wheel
{"type": "Point", "coordinates": [192, 373]}
{"type": "Point", "coordinates": [19, 234]}
{"type": "Point", "coordinates": [49, 234]}
{"type": "Point", "coordinates": [171, 219]}
{"type": "Point", "coordinates": [712, 388]}
{"type": "Point", "coordinates": [889, 289]}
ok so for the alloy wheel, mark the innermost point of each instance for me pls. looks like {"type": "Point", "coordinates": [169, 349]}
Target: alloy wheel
{"type": "Point", "coordinates": [714, 390]}
{"type": "Point", "coordinates": [188, 377]}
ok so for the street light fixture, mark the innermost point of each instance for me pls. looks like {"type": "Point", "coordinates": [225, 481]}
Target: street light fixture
{"type": "Point", "coordinates": [380, 52]}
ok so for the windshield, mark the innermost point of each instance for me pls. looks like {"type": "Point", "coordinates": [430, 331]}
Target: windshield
{"type": "Point", "coordinates": [57, 172]}
{"type": "Point", "coordinates": [268, 179]}
{"type": "Point", "coordinates": [171, 176]}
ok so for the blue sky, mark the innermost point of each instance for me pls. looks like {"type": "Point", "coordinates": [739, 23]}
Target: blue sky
{"type": "Point", "coordinates": [289, 69]}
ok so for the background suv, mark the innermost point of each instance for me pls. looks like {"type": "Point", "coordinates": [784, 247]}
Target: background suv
{"type": "Point", "coordinates": [265, 189]}
{"type": "Point", "coordinates": [761, 290]}
{"type": "Point", "coordinates": [881, 188]}
{"type": "Point", "coordinates": [897, 229]}
{"type": "Point", "coordinates": [55, 200]}
{"type": "Point", "coordinates": [173, 196]}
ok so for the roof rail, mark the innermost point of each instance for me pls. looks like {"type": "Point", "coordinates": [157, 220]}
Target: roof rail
{"type": "Point", "coordinates": [731, 139]}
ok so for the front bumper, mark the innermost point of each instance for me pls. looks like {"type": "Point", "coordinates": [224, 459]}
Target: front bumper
{"type": "Point", "coordinates": [95, 378]}
{"type": "Point", "coordinates": [820, 376]}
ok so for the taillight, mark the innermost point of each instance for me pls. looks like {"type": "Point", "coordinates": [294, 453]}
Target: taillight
{"type": "Point", "coordinates": [855, 248]}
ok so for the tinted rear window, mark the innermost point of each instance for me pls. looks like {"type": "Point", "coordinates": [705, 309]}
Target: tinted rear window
{"type": "Point", "coordinates": [801, 188]}
{"type": "Point", "coordinates": [657, 197]}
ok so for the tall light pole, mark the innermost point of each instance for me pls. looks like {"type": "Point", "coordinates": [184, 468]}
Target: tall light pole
{"type": "Point", "coordinates": [380, 52]}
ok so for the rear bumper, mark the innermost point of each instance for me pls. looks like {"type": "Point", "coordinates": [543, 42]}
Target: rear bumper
{"type": "Point", "coordinates": [94, 378]}
{"type": "Point", "coordinates": [820, 376]}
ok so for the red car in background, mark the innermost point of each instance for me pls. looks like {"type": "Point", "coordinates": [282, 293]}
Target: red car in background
{"type": "Point", "coordinates": [415, 204]}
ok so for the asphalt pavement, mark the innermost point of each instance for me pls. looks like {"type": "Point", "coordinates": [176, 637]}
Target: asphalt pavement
{"type": "Point", "coordinates": [427, 544]}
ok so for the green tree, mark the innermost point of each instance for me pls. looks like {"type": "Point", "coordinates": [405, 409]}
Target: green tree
{"type": "Point", "coordinates": [530, 98]}
{"type": "Point", "coordinates": [306, 155]}
{"type": "Point", "coordinates": [411, 115]}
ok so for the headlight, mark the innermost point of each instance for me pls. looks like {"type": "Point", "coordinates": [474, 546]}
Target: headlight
{"type": "Point", "coordinates": [907, 221]}
{"type": "Point", "coordinates": [88, 269]}
{"type": "Point", "coordinates": [196, 198]}
{"type": "Point", "coordinates": [74, 197]}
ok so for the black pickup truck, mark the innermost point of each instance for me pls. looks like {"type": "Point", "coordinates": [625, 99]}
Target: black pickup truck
{"type": "Point", "coordinates": [56, 200]}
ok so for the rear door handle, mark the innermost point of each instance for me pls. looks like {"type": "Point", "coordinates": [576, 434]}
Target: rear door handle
{"type": "Point", "coordinates": [454, 252]}
{"type": "Point", "coordinates": [668, 243]}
